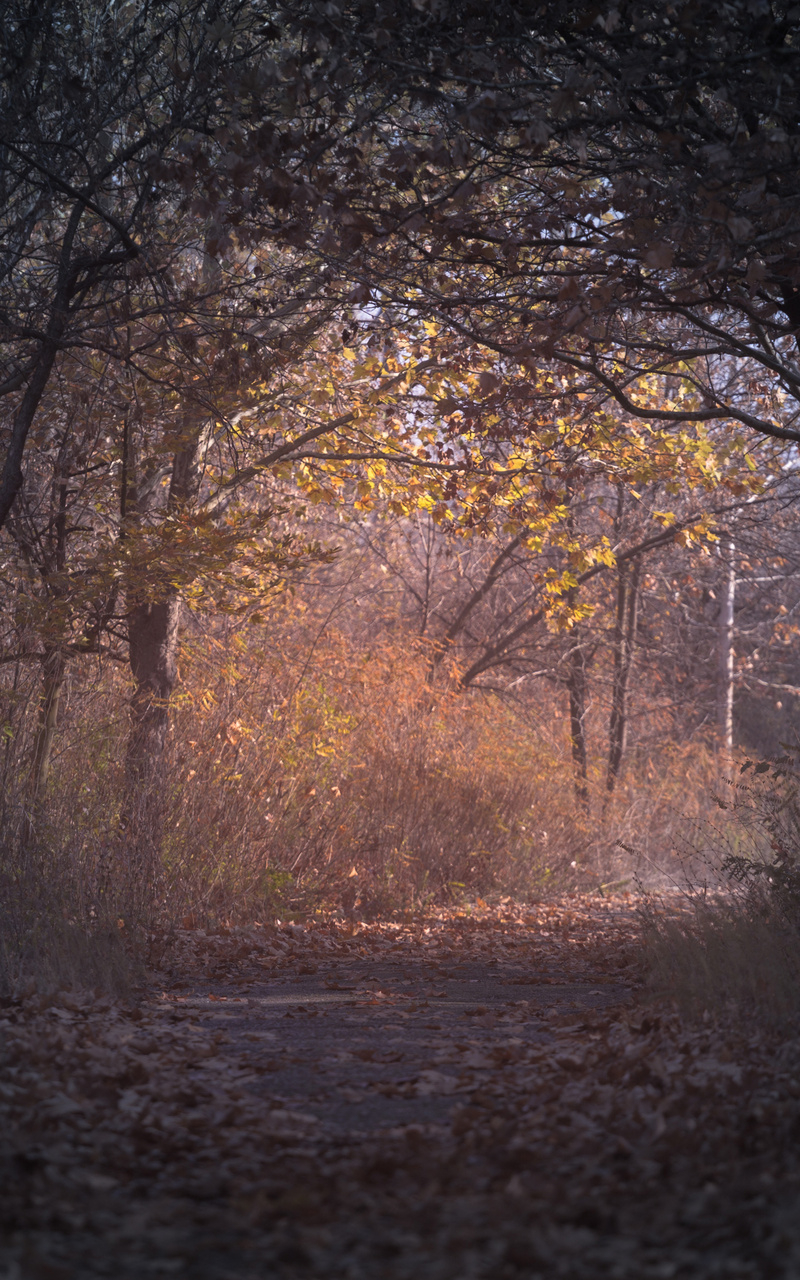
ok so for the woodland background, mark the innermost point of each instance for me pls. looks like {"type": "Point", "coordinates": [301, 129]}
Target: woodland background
{"type": "Point", "coordinates": [400, 422]}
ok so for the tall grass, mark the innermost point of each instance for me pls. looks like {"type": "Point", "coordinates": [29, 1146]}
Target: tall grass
{"type": "Point", "coordinates": [736, 951]}
{"type": "Point", "coordinates": [60, 921]}
{"type": "Point", "coordinates": [736, 956]}
{"type": "Point", "coordinates": [66, 916]}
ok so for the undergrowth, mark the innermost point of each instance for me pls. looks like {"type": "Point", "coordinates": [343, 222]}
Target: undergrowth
{"type": "Point", "coordinates": [357, 783]}
{"type": "Point", "coordinates": [335, 776]}
{"type": "Point", "coordinates": [56, 928]}
{"type": "Point", "coordinates": [735, 950]}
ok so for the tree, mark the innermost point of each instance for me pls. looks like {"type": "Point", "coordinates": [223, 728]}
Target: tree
{"type": "Point", "coordinates": [146, 218]}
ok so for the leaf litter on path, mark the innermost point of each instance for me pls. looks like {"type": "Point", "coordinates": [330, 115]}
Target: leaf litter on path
{"type": "Point", "coordinates": [462, 1095]}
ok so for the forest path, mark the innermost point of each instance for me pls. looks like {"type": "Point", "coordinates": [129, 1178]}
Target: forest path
{"type": "Point", "coordinates": [467, 1097]}
{"type": "Point", "coordinates": [396, 1025]}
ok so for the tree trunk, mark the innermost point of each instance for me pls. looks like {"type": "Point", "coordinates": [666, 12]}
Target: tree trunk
{"type": "Point", "coordinates": [153, 632]}
{"type": "Point", "coordinates": [11, 474]}
{"type": "Point", "coordinates": [576, 685]}
{"type": "Point", "coordinates": [153, 635]}
{"type": "Point", "coordinates": [725, 654]}
{"type": "Point", "coordinates": [54, 669]}
{"type": "Point", "coordinates": [624, 642]}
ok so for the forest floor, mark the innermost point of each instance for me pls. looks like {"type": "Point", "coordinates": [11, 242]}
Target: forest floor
{"type": "Point", "coordinates": [482, 1094]}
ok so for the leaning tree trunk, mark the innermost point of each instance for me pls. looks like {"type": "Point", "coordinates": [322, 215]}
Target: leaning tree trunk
{"type": "Point", "coordinates": [624, 642]}
{"type": "Point", "coordinates": [54, 662]}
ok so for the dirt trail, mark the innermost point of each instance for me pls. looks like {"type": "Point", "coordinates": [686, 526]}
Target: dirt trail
{"type": "Point", "coordinates": [464, 1097]}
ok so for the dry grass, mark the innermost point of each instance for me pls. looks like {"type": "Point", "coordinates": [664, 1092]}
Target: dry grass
{"type": "Point", "coordinates": [54, 931]}
{"type": "Point", "coordinates": [727, 954]}
{"type": "Point", "coordinates": [61, 902]}
{"type": "Point", "coordinates": [317, 772]}
{"type": "Point", "coordinates": [360, 777]}
{"type": "Point", "coordinates": [349, 780]}
{"type": "Point", "coordinates": [737, 951]}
